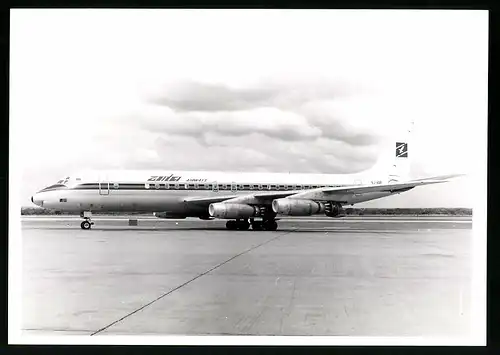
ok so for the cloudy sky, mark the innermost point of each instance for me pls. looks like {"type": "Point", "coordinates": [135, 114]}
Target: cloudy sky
{"type": "Point", "coordinates": [278, 91]}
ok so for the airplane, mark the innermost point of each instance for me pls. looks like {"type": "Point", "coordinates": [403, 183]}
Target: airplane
{"type": "Point", "coordinates": [244, 199]}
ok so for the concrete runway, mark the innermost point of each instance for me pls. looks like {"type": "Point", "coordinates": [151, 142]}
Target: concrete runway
{"type": "Point", "coordinates": [371, 276]}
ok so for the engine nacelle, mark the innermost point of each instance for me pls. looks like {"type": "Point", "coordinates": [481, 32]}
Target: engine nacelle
{"type": "Point", "coordinates": [334, 209]}
{"type": "Point", "coordinates": [232, 210]}
{"type": "Point", "coordinates": [168, 216]}
{"type": "Point", "coordinates": [296, 207]}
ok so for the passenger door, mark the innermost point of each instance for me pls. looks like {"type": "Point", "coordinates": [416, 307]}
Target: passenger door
{"type": "Point", "coordinates": [103, 188]}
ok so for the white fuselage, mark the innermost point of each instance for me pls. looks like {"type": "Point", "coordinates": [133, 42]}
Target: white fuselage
{"type": "Point", "coordinates": [165, 191]}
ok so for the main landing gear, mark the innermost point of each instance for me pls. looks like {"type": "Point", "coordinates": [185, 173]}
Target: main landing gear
{"type": "Point", "coordinates": [87, 223]}
{"type": "Point", "coordinates": [238, 224]}
{"type": "Point", "coordinates": [267, 224]}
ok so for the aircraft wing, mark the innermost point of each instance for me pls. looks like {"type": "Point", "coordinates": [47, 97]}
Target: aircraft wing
{"type": "Point", "coordinates": [346, 193]}
{"type": "Point", "coordinates": [393, 187]}
{"type": "Point", "coordinates": [441, 177]}
{"type": "Point", "coordinates": [322, 193]}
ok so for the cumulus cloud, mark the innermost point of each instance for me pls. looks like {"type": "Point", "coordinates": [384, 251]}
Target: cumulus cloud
{"type": "Point", "coordinates": [278, 125]}
{"type": "Point", "coordinates": [288, 110]}
{"type": "Point", "coordinates": [190, 95]}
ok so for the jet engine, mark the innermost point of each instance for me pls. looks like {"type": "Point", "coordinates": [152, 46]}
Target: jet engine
{"type": "Point", "coordinates": [296, 207]}
{"type": "Point", "coordinates": [333, 209]}
{"type": "Point", "coordinates": [232, 210]}
{"type": "Point", "coordinates": [168, 216]}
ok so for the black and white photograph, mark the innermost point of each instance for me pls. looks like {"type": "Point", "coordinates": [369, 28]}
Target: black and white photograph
{"type": "Point", "coordinates": [248, 176]}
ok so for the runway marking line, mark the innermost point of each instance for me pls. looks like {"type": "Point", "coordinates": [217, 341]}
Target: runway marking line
{"type": "Point", "coordinates": [189, 281]}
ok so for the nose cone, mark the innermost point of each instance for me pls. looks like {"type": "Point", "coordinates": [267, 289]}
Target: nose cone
{"type": "Point", "coordinates": [36, 200]}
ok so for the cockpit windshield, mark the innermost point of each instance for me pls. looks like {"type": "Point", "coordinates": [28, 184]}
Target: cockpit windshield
{"type": "Point", "coordinates": [64, 183]}
{"type": "Point", "coordinates": [59, 185]}
{"type": "Point", "coordinates": [54, 187]}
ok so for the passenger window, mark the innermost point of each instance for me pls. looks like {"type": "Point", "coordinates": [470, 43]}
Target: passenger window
{"type": "Point", "coordinates": [190, 186]}
{"type": "Point", "coordinates": [299, 187]}
{"type": "Point", "coordinates": [63, 200]}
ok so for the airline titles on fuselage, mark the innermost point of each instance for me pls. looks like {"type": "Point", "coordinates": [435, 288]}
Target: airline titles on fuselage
{"type": "Point", "coordinates": [171, 177]}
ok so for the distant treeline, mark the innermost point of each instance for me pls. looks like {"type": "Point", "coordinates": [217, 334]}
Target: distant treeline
{"type": "Point", "coordinates": [349, 211]}
{"type": "Point", "coordinates": [409, 211]}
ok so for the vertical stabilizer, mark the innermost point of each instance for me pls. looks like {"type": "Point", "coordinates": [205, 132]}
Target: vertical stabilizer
{"type": "Point", "coordinates": [400, 168]}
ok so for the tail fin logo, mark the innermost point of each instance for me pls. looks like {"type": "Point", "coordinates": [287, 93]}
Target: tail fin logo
{"type": "Point", "coordinates": [402, 150]}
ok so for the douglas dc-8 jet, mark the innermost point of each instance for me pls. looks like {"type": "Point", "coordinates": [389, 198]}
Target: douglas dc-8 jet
{"type": "Point", "coordinates": [244, 199]}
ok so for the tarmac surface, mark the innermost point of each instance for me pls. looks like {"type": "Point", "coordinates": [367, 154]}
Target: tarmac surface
{"type": "Point", "coordinates": [369, 276]}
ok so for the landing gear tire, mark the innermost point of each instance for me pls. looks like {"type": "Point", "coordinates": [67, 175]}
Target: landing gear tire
{"type": "Point", "coordinates": [257, 226]}
{"type": "Point", "coordinates": [85, 225]}
{"type": "Point", "coordinates": [243, 225]}
{"type": "Point", "coordinates": [231, 225]}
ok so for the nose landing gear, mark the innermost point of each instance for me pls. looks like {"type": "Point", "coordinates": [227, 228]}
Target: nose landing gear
{"type": "Point", "coordinates": [87, 223]}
